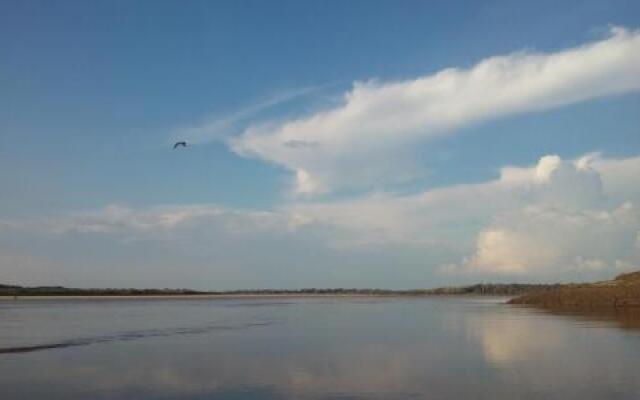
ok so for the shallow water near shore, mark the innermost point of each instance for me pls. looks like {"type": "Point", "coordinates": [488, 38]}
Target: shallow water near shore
{"type": "Point", "coordinates": [313, 348]}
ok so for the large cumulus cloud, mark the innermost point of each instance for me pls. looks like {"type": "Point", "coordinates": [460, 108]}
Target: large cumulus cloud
{"type": "Point", "coordinates": [569, 223]}
{"type": "Point", "coordinates": [557, 217]}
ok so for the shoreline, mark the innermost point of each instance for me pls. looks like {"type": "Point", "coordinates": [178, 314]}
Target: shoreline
{"type": "Point", "coordinates": [239, 296]}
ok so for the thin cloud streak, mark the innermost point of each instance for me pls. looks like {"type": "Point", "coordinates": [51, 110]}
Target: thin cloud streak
{"type": "Point", "coordinates": [221, 127]}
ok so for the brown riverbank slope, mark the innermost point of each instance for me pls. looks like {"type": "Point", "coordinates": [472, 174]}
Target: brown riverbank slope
{"type": "Point", "coordinates": [622, 292]}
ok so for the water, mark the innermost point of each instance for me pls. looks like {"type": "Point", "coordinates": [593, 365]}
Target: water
{"type": "Point", "coordinates": [356, 348]}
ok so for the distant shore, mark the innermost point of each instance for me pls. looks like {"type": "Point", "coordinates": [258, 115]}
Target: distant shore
{"type": "Point", "coordinates": [622, 292]}
{"type": "Point", "coordinates": [195, 296]}
{"type": "Point", "coordinates": [8, 292]}
{"type": "Point", "coordinates": [242, 296]}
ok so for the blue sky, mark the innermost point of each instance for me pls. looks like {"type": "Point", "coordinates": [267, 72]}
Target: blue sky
{"type": "Point", "coordinates": [93, 94]}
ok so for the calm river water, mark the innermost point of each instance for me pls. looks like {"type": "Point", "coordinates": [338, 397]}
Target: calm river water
{"type": "Point", "coordinates": [312, 348]}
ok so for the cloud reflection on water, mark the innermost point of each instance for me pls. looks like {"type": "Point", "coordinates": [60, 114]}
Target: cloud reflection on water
{"type": "Point", "coordinates": [400, 349]}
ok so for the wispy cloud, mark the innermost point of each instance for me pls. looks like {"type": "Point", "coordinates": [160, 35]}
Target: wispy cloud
{"type": "Point", "coordinates": [220, 127]}
{"type": "Point", "coordinates": [164, 221]}
{"type": "Point", "coordinates": [368, 140]}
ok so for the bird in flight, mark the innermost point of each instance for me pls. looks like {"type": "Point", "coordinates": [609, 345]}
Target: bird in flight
{"type": "Point", "coordinates": [178, 144]}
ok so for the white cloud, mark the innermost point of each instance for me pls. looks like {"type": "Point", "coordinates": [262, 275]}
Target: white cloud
{"type": "Point", "coordinates": [444, 215]}
{"type": "Point", "coordinates": [562, 183]}
{"type": "Point", "coordinates": [553, 219]}
{"type": "Point", "coordinates": [163, 221]}
{"type": "Point", "coordinates": [548, 219]}
{"type": "Point", "coordinates": [620, 178]}
{"type": "Point", "coordinates": [569, 223]}
{"type": "Point", "coordinates": [544, 240]}
{"type": "Point", "coordinates": [367, 141]}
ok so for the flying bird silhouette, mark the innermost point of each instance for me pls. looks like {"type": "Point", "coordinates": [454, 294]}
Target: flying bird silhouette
{"type": "Point", "coordinates": [178, 144]}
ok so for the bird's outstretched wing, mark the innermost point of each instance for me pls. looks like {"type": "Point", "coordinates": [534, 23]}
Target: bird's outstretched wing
{"type": "Point", "coordinates": [178, 144]}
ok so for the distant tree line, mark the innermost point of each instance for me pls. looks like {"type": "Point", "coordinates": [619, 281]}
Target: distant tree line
{"type": "Point", "coordinates": [8, 290]}
{"type": "Point", "coordinates": [487, 289]}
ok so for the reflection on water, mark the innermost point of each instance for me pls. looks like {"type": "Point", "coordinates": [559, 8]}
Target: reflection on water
{"type": "Point", "coordinates": [623, 318]}
{"type": "Point", "coordinates": [440, 348]}
{"type": "Point", "coordinates": [509, 341]}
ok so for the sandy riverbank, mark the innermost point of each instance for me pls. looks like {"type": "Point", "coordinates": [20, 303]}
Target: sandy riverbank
{"type": "Point", "coordinates": [622, 292]}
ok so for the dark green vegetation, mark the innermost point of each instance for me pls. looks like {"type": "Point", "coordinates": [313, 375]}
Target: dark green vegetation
{"type": "Point", "coordinates": [8, 290]}
{"type": "Point", "coordinates": [622, 292]}
{"type": "Point", "coordinates": [510, 289]}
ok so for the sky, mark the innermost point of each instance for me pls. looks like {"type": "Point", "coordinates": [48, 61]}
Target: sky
{"type": "Point", "coordinates": [391, 144]}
